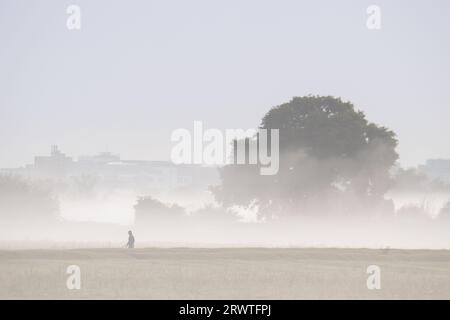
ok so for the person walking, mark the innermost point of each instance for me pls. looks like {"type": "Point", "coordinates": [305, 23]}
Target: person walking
{"type": "Point", "coordinates": [130, 244]}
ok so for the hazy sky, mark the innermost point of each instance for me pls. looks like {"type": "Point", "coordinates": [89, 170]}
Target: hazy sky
{"type": "Point", "coordinates": [137, 70]}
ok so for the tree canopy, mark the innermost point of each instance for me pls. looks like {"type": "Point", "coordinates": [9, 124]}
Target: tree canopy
{"type": "Point", "coordinates": [22, 200]}
{"type": "Point", "coordinates": [330, 154]}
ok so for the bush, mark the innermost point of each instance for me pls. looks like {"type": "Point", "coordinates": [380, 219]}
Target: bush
{"type": "Point", "coordinates": [26, 201]}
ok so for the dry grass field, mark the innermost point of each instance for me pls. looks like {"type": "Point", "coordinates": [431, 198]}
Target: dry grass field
{"type": "Point", "coordinates": [225, 274]}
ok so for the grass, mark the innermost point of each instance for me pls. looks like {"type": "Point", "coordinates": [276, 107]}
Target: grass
{"type": "Point", "coordinates": [225, 274]}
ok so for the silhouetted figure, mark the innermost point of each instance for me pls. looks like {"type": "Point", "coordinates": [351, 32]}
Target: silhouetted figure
{"type": "Point", "coordinates": [130, 244]}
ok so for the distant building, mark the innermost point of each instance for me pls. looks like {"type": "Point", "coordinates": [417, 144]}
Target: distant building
{"type": "Point", "coordinates": [112, 172]}
{"type": "Point", "coordinates": [54, 166]}
{"type": "Point", "coordinates": [437, 169]}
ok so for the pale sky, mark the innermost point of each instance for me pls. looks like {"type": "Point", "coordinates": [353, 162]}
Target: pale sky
{"type": "Point", "coordinates": [137, 70]}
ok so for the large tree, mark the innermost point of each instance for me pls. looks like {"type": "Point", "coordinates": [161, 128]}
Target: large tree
{"type": "Point", "coordinates": [330, 157]}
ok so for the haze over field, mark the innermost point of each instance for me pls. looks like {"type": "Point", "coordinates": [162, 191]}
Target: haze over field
{"type": "Point", "coordinates": [237, 149]}
{"type": "Point", "coordinates": [231, 149]}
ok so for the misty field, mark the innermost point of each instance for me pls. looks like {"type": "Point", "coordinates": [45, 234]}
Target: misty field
{"type": "Point", "coordinates": [225, 274]}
